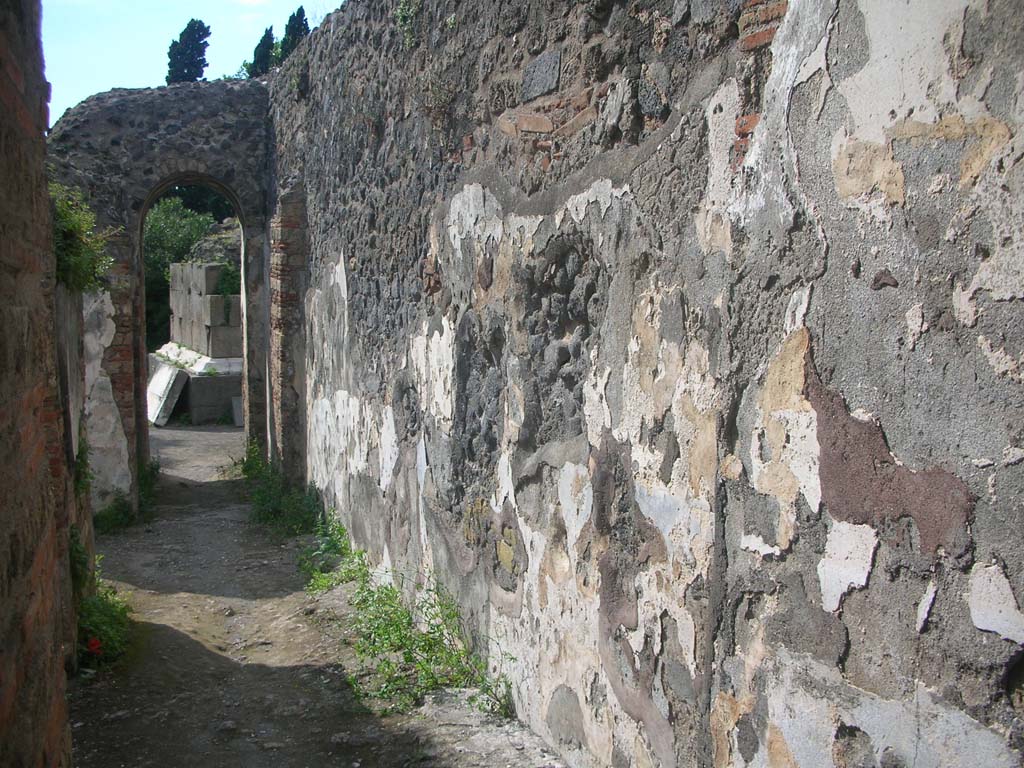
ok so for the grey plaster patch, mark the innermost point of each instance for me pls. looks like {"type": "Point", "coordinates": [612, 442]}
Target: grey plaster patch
{"type": "Point", "coordinates": [565, 718]}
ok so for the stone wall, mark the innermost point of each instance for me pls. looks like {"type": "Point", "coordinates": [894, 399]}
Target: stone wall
{"type": "Point", "coordinates": [680, 339]}
{"type": "Point", "coordinates": [123, 149]}
{"type": "Point", "coordinates": [36, 625]}
{"type": "Point", "coordinates": [203, 319]}
{"type": "Point", "coordinates": [683, 341]}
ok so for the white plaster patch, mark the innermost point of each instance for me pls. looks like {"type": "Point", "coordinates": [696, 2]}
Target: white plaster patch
{"type": "Point", "coordinates": [921, 730]}
{"type": "Point", "coordinates": [108, 446]}
{"type": "Point", "coordinates": [714, 231]}
{"type": "Point", "coordinates": [992, 603]}
{"type": "Point", "coordinates": [99, 329]}
{"type": "Point", "coordinates": [849, 553]}
{"type": "Point", "coordinates": [600, 192]}
{"type": "Point", "coordinates": [595, 405]}
{"type": "Point", "coordinates": [796, 310]}
{"type": "Point", "coordinates": [924, 608]}
{"type": "Point", "coordinates": [433, 359]}
{"type": "Point", "coordinates": [916, 325]}
{"type": "Point", "coordinates": [576, 498]}
{"type": "Point", "coordinates": [474, 213]}
{"type": "Point", "coordinates": [506, 490]}
{"type": "Point", "coordinates": [660, 507]}
{"type": "Point", "coordinates": [752, 542]}
{"type": "Point", "coordinates": [388, 451]}
{"type": "Point", "coordinates": [384, 573]}
{"type": "Point", "coordinates": [1001, 362]}
{"type": "Point", "coordinates": [875, 98]}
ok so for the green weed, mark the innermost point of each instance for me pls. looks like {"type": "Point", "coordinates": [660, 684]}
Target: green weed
{"type": "Point", "coordinates": [82, 474]}
{"type": "Point", "coordinates": [286, 509]}
{"type": "Point", "coordinates": [104, 623]}
{"type": "Point", "coordinates": [115, 516]}
{"type": "Point", "coordinates": [405, 17]}
{"type": "Point", "coordinates": [408, 652]}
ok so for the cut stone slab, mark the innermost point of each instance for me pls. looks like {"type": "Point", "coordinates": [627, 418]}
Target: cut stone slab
{"type": "Point", "coordinates": [236, 411]}
{"type": "Point", "coordinates": [541, 75]}
{"type": "Point", "coordinates": [163, 392]}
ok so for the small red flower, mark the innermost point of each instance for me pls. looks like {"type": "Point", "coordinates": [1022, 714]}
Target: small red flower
{"type": "Point", "coordinates": [94, 646]}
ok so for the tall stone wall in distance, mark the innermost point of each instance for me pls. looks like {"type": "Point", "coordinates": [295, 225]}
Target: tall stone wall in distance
{"type": "Point", "coordinates": [682, 341]}
{"type": "Point", "coordinates": [36, 625]}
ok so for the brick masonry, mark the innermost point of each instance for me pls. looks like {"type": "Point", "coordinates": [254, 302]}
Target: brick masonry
{"type": "Point", "coordinates": [36, 625]}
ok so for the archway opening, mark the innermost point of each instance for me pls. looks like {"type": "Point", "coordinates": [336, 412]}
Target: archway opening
{"type": "Point", "coordinates": [192, 250]}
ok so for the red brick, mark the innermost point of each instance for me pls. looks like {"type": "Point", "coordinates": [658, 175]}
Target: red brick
{"type": "Point", "coordinates": [757, 39]}
{"type": "Point", "coordinates": [745, 124]}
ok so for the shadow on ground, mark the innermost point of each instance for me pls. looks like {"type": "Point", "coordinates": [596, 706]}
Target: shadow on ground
{"type": "Point", "coordinates": [175, 702]}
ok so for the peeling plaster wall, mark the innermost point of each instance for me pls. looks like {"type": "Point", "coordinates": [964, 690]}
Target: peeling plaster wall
{"type": "Point", "coordinates": [682, 342]}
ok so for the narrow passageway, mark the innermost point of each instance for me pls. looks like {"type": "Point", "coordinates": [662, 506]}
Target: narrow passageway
{"type": "Point", "coordinates": [233, 664]}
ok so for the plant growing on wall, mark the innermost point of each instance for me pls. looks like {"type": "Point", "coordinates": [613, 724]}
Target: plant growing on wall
{"type": "Point", "coordinates": [186, 58]}
{"type": "Point", "coordinates": [82, 260]}
{"type": "Point", "coordinates": [405, 17]}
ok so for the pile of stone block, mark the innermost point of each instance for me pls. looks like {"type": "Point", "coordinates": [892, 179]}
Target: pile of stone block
{"type": "Point", "coordinates": [201, 318]}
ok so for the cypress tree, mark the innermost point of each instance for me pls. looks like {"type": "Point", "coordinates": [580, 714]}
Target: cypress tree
{"type": "Point", "coordinates": [263, 54]}
{"type": "Point", "coordinates": [296, 29]}
{"type": "Point", "coordinates": [186, 58]}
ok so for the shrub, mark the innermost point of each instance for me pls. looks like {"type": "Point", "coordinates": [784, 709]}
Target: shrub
{"type": "Point", "coordinates": [115, 516]}
{"type": "Point", "coordinates": [286, 509]}
{"type": "Point", "coordinates": [409, 652]}
{"type": "Point", "coordinates": [104, 624]}
{"type": "Point", "coordinates": [80, 251]}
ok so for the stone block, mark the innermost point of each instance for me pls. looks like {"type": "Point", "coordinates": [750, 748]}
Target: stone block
{"type": "Point", "coordinates": [533, 123]}
{"type": "Point", "coordinates": [235, 313]}
{"type": "Point", "coordinates": [223, 341]}
{"type": "Point", "coordinates": [208, 277]}
{"type": "Point", "coordinates": [215, 313]}
{"type": "Point", "coordinates": [210, 397]}
{"type": "Point", "coordinates": [541, 75]}
{"type": "Point", "coordinates": [162, 393]}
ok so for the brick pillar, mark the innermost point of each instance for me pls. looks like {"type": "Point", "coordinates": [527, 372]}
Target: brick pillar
{"type": "Point", "coordinates": [288, 271]}
{"type": "Point", "coordinates": [256, 341]}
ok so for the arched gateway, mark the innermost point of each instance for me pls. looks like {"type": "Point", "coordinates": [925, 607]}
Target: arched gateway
{"type": "Point", "coordinates": [123, 149]}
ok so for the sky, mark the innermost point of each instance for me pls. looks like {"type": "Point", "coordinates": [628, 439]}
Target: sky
{"type": "Point", "coordinates": [91, 46]}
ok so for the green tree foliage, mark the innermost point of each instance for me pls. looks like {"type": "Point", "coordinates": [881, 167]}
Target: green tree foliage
{"type": "Point", "coordinates": [169, 233]}
{"type": "Point", "coordinates": [263, 54]}
{"type": "Point", "coordinates": [186, 58]}
{"type": "Point", "coordinates": [296, 29]}
{"type": "Point", "coordinates": [202, 199]}
{"type": "Point", "coordinates": [82, 260]}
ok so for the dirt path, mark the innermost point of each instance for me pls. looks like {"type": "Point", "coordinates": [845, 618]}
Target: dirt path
{"type": "Point", "coordinates": [233, 665]}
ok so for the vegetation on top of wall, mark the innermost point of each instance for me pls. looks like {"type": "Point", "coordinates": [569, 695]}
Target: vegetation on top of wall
{"type": "Point", "coordinates": [408, 652]}
{"type": "Point", "coordinates": [270, 53]}
{"type": "Point", "coordinates": [186, 58]}
{"type": "Point", "coordinates": [281, 507]}
{"type": "Point", "coordinates": [82, 259]}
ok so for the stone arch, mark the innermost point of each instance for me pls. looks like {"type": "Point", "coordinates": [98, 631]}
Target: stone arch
{"type": "Point", "coordinates": [123, 149]}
